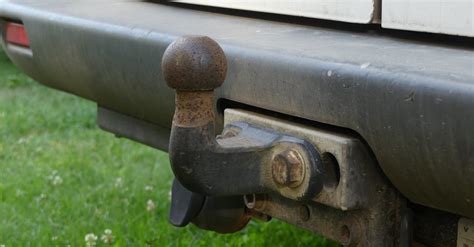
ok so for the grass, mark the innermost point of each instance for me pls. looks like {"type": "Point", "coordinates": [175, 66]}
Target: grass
{"type": "Point", "coordinates": [62, 178]}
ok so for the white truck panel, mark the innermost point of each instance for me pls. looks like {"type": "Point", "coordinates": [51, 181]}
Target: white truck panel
{"type": "Point", "coordinates": [436, 16]}
{"type": "Point", "coordinates": [355, 11]}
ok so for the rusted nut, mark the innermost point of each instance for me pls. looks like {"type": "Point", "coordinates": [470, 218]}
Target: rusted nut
{"type": "Point", "coordinates": [288, 168]}
{"type": "Point", "coordinates": [194, 63]}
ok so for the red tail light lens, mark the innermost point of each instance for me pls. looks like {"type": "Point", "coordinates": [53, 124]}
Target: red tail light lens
{"type": "Point", "coordinates": [16, 34]}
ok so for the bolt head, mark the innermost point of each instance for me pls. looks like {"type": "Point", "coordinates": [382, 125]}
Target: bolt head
{"type": "Point", "coordinates": [288, 168]}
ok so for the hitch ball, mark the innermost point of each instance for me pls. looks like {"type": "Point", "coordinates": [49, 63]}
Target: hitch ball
{"type": "Point", "coordinates": [194, 63]}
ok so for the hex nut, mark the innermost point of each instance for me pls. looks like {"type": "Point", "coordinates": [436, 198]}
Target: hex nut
{"type": "Point", "coordinates": [288, 168]}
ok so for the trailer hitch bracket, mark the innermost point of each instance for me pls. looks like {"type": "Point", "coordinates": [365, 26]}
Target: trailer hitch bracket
{"type": "Point", "coordinates": [243, 160]}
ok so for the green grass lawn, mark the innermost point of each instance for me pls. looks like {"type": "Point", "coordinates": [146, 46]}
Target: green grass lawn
{"type": "Point", "coordinates": [62, 178]}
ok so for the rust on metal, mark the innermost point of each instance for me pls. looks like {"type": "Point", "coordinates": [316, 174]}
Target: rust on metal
{"type": "Point", "coordinates": [288, 168]}
{"type": "Point", "coordinates": [194, 66]}
{"type": "Point", "coordinates": [194, 63]}
{"type": "Point", "coordinates": [193, 108]}
{"type": "Point", "coordinates": [334, 224]}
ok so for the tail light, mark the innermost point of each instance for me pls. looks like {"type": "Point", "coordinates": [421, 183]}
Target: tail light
{"type": "Point", "coordinates": [15, 33]}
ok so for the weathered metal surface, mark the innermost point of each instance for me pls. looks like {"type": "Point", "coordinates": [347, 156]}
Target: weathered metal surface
{"type": "Point", "coordinates": [288, 168]}
{"type": "Point", "coordinates": [405, 95]}
{"type": "Point", "coordinates": [133, 128]}
{"type": "Point", "coordinates": [376, 226]}
{"type": "Point", "coordinates": [194, 63]}
{"type": "Point", "coordinates": [244, 160]}
{"type": "Point", "coordinates": [347, 175]}
{"type": "Point", "coordinates": [203, 165]}
{"type": "Point", "coordinates": [194, 108]}
{"type": "Point", "coordinates": [239, 162]}
{"type": "Point", "coordinates": [250, 160]}
{"type": "Point", "coordinates": [361, 209]}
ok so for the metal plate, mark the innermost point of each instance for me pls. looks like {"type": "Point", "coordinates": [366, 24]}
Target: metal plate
{"type": "Point", "coordinates": [360, 209]}
{"type": "Point", "coordinates": [354, 172]}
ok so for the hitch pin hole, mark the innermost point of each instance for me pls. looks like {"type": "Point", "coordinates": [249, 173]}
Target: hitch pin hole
{"type": "Point", "coordinates": [332, 172]}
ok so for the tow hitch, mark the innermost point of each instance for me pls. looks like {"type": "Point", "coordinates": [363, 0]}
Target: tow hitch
{"type": "Point", "coordinates": [260, 166]}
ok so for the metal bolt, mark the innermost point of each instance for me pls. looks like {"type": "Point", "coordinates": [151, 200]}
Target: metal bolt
{"type": "Point", "coordinates": [288, 168]}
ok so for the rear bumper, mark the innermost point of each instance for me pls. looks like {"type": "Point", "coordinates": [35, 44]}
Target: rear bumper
{"type": "Point", "coordinates": [412, 101]}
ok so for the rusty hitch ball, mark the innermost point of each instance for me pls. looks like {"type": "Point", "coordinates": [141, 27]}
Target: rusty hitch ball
{"type": "Point", "coordinates": [194, 66]}
{"type": "Point", "coordinates": [194, 63]}
{"type": "Point", "coordinates": [223, 169]}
